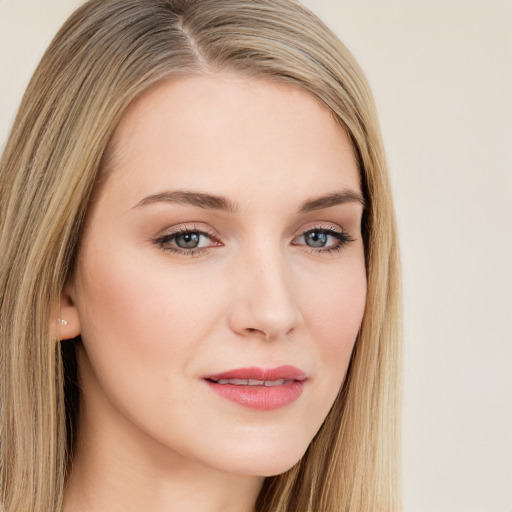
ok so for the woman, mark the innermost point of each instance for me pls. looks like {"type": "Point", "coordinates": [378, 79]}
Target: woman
{"type": "Point", "coordinates": [199, 283]}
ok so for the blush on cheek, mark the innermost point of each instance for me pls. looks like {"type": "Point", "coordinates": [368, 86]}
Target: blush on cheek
{"type": "Point", "coordinates": [339, 308]}
{"type": "Point", "coordinates": [149, 308]}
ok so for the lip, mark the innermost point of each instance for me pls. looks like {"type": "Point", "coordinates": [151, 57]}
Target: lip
{"type": "Point", "coordinates": [260, 397]}
{"type": "Point", "coordinates": [285, 372]}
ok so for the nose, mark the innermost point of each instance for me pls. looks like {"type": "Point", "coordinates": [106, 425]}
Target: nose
{"type": "Point", "coordinates": [264, 303]}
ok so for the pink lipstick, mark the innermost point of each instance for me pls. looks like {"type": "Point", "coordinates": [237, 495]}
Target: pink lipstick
{"type": "Point", "coordinates": [258, 388]}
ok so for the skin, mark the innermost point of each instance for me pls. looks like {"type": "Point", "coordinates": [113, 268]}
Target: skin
{"type": "Point", "coordinates": [153, 436]}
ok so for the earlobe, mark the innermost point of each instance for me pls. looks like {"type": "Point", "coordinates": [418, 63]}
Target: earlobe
{"type": "Point", "coordinates": [68, 317]}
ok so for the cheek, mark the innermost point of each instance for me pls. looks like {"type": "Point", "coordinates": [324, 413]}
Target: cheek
{"type": "Point", "coordinates": [140, 311]}
{"type": "Point", "coordinates": [334, 316]}
{"type": "Point", "coordinates": [143, 326]}
{"type": "Point", "coordinates": [335, 309]}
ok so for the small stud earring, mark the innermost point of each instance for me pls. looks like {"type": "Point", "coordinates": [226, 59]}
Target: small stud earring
{"type": "Point", "coordinates": [63, 322]}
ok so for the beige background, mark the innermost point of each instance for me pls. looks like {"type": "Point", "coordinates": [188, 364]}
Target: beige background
{"type": "Point", "coordinates": [442, 77]}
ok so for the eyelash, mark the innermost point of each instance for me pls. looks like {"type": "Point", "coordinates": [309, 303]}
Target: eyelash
{"type": "Point", "coordinates": [342, 237]}
{"type": "Point", "coordinates": [165, 239]}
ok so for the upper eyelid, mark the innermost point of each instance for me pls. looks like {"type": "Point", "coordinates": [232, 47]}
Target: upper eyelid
{"type": "Point", "coordinates": [320, 226]}
{"type": "Point", "coordinates": [188, 229]}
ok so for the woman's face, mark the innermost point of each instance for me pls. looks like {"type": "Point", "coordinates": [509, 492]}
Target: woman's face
{"type": "Point", "coordinates": [226, 237]}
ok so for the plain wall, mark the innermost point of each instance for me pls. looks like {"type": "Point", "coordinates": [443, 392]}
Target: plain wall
{"type": "Point", "coordinates": [441, 73]}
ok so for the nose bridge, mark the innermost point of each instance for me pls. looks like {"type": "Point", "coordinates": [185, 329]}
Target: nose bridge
{"type": "Point", "coordinates": [265, 301]}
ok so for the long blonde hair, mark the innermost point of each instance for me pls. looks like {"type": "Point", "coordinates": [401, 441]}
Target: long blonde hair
{"type": "Point", "coordinates": [105, 55]}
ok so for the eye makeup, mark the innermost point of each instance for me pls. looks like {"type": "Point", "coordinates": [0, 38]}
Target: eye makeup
{"type": "Point", "coordinates": [317, 239]}
{"type": "Point", "coordinates": [187, 241]}
{"type": "Point", "coordinates": [191, 241]}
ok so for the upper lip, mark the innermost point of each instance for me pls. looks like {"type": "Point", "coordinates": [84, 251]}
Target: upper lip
{"type": "Point", "coordinates": [285, 372]}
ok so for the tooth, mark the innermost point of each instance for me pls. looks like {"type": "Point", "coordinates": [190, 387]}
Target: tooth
{"type": "Point", "coordinates": [254, 382]}
{"type": "Point", "coordinates": [270, 383]}
{"type": "Point", "coordinates": [240, 382]}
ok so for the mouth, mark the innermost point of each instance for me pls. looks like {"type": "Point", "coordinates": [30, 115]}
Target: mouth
{"type": "Point", "coordinates": [257, 388]}
{"type": "Point", "coordinates": [251, 382]}
{"type": "Point", "coordinates": [259, 375]}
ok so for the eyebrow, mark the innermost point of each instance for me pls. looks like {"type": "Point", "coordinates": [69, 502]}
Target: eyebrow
{"type": "Point", "coordinates": [184, 197]}
{"type": "Point", "coordinates": [214, 202]}
{"type": "Point", "coordinates": [318, 203]}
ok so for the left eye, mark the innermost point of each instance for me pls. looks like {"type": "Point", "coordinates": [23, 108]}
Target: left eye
{"type": "Point", "coordinates": [321, 238]}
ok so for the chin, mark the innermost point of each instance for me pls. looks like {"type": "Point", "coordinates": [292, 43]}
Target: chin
{"type": "Point", "coordinates": [267, 464]}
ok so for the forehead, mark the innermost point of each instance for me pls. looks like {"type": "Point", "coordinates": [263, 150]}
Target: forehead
{"type": "Point", "coordinates": [227, 130]}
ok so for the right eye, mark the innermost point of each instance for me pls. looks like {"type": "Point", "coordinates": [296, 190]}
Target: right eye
{"type": "Point", "coordinates": [186, 241]}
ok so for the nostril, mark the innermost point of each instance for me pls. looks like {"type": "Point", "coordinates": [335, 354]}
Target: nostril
{"type": "Point", "coordinates": [253, 331]}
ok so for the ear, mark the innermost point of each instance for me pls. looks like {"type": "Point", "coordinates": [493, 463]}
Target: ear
{"type": "Point", "coordinates": [68, 321]}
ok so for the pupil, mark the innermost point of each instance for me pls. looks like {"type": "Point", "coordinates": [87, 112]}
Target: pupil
{"type": "Point", "coordinates": [187, 240]}
{"type": "Point", "coordinates": [316, 239]}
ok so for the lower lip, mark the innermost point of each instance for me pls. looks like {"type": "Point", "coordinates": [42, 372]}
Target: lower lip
{"type": "Point", "coordinates": [262, 398]}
